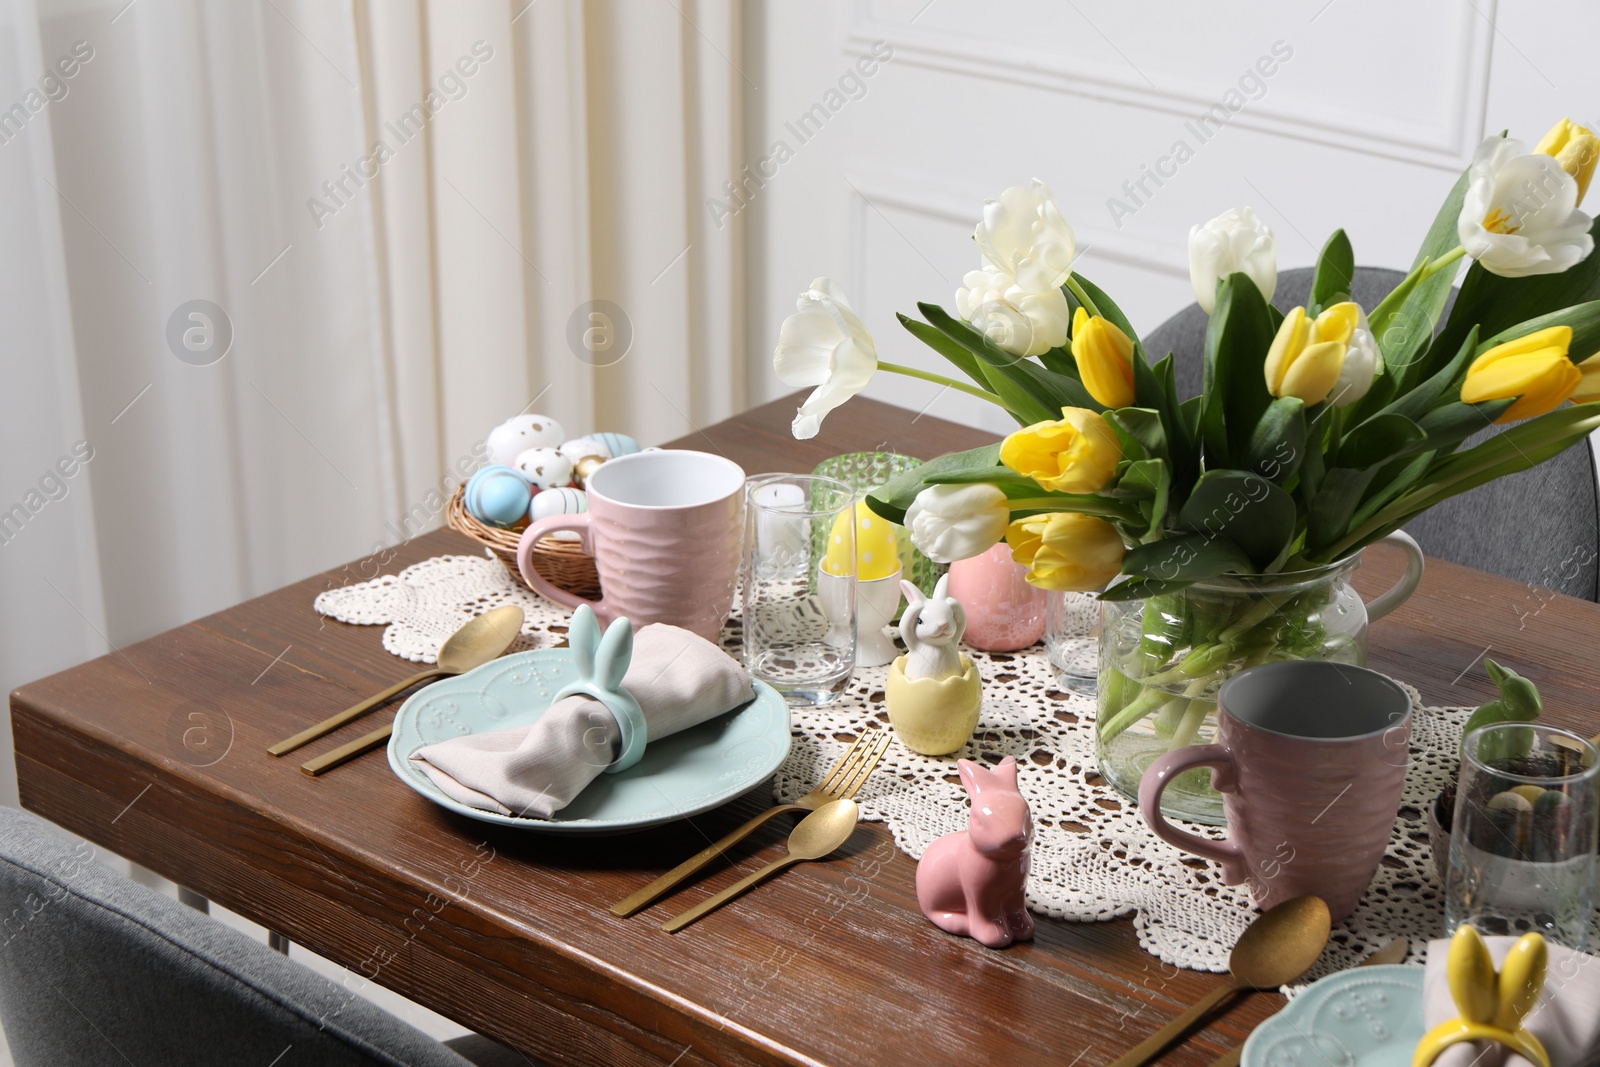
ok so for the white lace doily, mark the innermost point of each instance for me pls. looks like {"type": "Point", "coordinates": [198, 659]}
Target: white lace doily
{"type": "Point", "coordinates": [1093, 857]}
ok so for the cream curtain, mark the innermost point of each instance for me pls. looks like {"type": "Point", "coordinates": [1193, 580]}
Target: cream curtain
{"type": "Point", "coordinates": [402, 209]}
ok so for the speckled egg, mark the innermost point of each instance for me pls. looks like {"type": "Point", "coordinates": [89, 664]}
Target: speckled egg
{"type": "Point", "coordinates": [580, 447]}
{"type": "Point", "coordinates": [497, 495]}
{"type": "Point", "coordinates": [545, 468]}
{"type": "Point", "coordinates": [521, 432]}
{"type": "Point", "coordinates": [617, 444]}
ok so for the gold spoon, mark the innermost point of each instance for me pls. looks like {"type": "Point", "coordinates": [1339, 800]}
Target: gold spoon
{"type": "Point", "coordinates": [1393, 952]}
{"type": "Point", "coordinates": [814, 837]}
{"type": "Point", "coordinates": [482, 639]}
{"type": "Point", "coordinates": [1278, 947]}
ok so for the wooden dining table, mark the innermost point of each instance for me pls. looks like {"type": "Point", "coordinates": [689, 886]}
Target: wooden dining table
{"type": "Point", "coordinates": [157, 752]}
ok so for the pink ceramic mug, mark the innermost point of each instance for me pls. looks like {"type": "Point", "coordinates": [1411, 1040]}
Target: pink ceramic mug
{"type": "Point", "coordinates": [1310, 759]}
{"type": "Point", "coordinates": [665, 529]}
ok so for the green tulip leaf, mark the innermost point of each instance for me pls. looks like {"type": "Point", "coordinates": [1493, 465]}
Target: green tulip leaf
{"type": "Point", "coordinates": [1378, 440]}
{"type": "Point", "coordinates": [1278, 446]}
{"type": "Point", "coordinates": [1243, 508]}
{"type": "Point", "coordinates": [1140, 432]}
{"type": "Point", "coordinates": [1147, 483]}
{"type": "Point", "coordinates": [1141, 589]}
{"type": "Point", "coordinates": [1443, 384]}
{"type": "Point", "coordinates": [1050, 391]}
{"type": "Point", "coordinates": [1403, 322]}
{"type": "Point", "coordinates": [1060, 361]}
{"type": "Point", "coordinates": [1235, 394]}
{"type": "Point", "coordinates": [1186, 558]}
{"type": "Point", "coordinates": [1335, 274]}
{"type": "Point", "coordinates": [965, 361]}
{"type": "Point", "coordinates": [1584, 319]}
{"type": "Point", "coordinates": [1328, 518]}
{"type": "Point", "coordinates": [1448, 425]}
{"type": "Point", "coordinates": [1524, 445]}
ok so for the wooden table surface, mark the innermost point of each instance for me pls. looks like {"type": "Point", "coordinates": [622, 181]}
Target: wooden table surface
{"type": "Point", "coordinates": [157, 753]}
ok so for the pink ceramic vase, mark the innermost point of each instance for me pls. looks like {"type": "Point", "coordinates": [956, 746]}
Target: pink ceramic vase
{"type": "Point", "coordinates": [1004, 612]}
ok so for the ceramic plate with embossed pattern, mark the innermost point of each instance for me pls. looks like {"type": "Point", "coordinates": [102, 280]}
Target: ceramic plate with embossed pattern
{"type": "Point", "coordinates": [1363, 1017]}
{"type": "Point", "coordinates": [682, 775]}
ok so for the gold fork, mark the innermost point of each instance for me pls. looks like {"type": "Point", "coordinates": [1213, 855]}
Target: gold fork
{"type": "Point", "coordinates": [842, 783]}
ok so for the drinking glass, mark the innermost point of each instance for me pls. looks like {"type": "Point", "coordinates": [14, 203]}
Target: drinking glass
{"type": "Point", "coordinates": [1072, 640]}
{"type": "Point", "coordinates": [799, 593]}
{"type": "Point", "coordinates": [1522, 842]}
{"type": "Point", "coordinates": [866, 471]}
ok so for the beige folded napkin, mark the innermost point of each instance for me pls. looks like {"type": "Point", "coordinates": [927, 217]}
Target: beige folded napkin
{"type": "Point", "coordinates": [679, 679]}
{"type": "Point", "coordinates": [1565, 1019]}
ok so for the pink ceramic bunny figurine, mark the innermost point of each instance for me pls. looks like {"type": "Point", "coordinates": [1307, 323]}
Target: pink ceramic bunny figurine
{"type": "Point", "coordinates": [970, 882]}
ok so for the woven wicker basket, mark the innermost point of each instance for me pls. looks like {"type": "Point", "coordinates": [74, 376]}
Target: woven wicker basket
{"type": "Point", "coordinates": [561, 563]}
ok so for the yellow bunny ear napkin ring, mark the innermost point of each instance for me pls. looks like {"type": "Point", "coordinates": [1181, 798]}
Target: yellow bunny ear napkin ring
{"type": "Point", "coordinates": [1492, 1006]}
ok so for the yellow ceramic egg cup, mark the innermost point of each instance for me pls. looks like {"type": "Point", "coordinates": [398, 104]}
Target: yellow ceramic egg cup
{"type": "Point", "coordinates": [1492, 1005]}
{"type": "Point", "coordinates": [934, 716]}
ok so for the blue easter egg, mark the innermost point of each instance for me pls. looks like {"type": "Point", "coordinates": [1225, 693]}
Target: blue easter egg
{"type": "Point", "coordinates": [497, 495]}
{"type": "Point", "coordinates": [618, 444]}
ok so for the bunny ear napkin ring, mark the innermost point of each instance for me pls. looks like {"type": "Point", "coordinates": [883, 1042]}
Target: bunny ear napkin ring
{"type": "Point", "coordinates": [602, 662]}
{"type": "Point", "coordinates": [1492, 1005]}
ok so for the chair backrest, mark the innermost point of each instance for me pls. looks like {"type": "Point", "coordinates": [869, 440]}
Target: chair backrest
{"type": "Point", "coordinates": [95, 969]}
{"type": "Point", "coordinates": [1541, 526]}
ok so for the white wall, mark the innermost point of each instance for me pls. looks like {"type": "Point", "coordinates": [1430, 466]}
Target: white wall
{"type": "Point", "coordinates": [1364, 125]}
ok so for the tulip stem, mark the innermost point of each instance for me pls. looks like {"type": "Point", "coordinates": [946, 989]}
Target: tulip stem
{"type": "Point", "coordinates": [940, 379]}
{"type": "Point", "coordinates": [1443, 261]}
{"type": "Point", "coordinates": [1083, 298]}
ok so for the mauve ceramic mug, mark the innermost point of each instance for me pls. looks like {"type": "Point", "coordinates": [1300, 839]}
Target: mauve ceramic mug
{"type": "Point", "coordinates": [1310, 760]}
{"type": "Point", "coordinates": [666, 529]}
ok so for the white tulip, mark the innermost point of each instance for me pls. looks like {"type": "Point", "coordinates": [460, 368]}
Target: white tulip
{"type": "Point", "coordinates": [951, 522]}
{"type": "Point", "coordinates": [826, 345]}
{"type": "Point", "coordinates": [1360, 367]}
{"type": "Point", "coordinates": [1235, 242]}
{"type": "Point", "coordinates": [1021, 322]}
{"type": "Point", "coordinates": [1024, 236]}
{"type": "Point", "coordinates": [1520, 215]}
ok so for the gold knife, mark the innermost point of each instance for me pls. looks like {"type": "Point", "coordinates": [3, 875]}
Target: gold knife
{"type": "Point", "coordinates": [1393, 952]}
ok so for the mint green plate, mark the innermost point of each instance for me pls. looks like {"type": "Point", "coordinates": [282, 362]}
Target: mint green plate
{"type": "Point", "coordinates": [1363, 1017]}
{"type": "Point", "coordinates": [682, 775]}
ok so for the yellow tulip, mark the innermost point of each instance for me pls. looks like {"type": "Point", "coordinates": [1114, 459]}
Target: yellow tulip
{"type": "Point", "coordinates": [1575, 148]}
{"type": "Point", "coordinates": [1307, 355]}
{"type": "Point", "coordinates": [1066, 551]}
{"type": "Point", "coordinates": [1535, 368]}
{"type": "Point", "coordinates": [1105, 359]}
{"type": "Point", "coordinates": [1077, 454]}
{"type": "Point", "coordinates": [1589, 387]}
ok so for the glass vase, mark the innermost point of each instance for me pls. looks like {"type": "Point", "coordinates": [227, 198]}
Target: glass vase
{"type": "Point", "coordinates": [1163, 659]}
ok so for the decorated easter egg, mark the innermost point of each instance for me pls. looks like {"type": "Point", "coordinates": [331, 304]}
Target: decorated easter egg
{"type": "Point", "coordinates": [876, 554]}
{"type": "Point", "coordinates": [521, 432]}
{"type": "Point", "coordinates": [545, 468]}
{"type": "Point", "coordinates": [497, 495]}
{"type": "Point", "coordinates": [585, 467]}
{"type": "Point", "coordinates": [563, 500]}
{"type": "Point", "coordinates": [580, 447]}
{"type": "Point", "coordinates": [616, 444]}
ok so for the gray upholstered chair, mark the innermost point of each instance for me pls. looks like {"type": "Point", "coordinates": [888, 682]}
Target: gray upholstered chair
{"type": "Point", "coordinates": [95, 969]}
{"type": "Point", "coordinates": [1541, 527]}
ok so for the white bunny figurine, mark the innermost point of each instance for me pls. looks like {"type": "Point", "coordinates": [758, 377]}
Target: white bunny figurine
{"type": "Point", "coordinates": [931, 628]}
